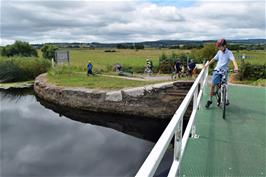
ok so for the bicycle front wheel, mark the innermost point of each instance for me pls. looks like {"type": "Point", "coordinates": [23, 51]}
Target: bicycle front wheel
{"type": "Point", "coordinates": [224, 101]}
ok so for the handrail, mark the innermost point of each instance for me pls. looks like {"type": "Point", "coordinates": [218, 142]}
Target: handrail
{"type": "Point", "coordinates": [174, 127]}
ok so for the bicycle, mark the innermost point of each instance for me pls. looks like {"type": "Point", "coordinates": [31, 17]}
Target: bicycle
{"type": "Point", "coordinates": [221, 91]}
{"type": "Point", "coordinates": [148, 71]}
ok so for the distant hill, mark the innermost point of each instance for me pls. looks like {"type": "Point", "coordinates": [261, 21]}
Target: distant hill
{"type": "Point", "coordinates": [156, 44]}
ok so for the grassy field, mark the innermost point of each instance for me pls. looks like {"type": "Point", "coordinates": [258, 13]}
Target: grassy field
{"type": "Point", "coordinates": [76, 79]}
{"type": "Point", "coordinates": [104, 61]}
{"type": "Point", "coordinates": [257, 57]}
{"type": "Point", "coordinates": [133, 58]}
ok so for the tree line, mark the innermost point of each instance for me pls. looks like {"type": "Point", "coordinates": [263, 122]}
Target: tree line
{"type": "Point", "coordinates": [24, 49]}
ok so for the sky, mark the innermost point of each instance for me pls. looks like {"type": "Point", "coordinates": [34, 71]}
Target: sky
{"type": "Point", "coordinates": [112, 21]}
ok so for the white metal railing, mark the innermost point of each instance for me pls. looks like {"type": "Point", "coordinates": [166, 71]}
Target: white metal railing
{"type": "Point", "coordinates": [174, 127]}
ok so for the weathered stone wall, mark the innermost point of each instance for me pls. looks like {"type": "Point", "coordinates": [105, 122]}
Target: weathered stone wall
{"type": "Point", "coordinates": [157, 101]}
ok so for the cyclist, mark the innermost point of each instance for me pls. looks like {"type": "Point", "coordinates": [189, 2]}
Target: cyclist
{"type": "Point", "coordinates": [149, 66]}
{"type": "Point", "coordinates": [177, 68]}
{"type": "Point", "coordinates": [223, 56]}
{"type": "Point", "coordinates": [191, 66]}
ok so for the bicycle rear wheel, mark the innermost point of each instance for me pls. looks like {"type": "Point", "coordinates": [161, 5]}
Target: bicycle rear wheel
{"type": "Point", "coordinates": [224, 101]}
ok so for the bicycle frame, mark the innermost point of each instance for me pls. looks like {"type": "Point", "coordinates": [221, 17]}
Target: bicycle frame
{"type": "Point", "coordinates": [221, 91]}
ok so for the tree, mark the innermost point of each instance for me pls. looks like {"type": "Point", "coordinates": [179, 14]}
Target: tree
{"type": "Point", "coordinates": [19, 48]}
{"type": "Point", "coordinates": [48, 51]}
{"type": "Point", "coordinates": [206, 53]}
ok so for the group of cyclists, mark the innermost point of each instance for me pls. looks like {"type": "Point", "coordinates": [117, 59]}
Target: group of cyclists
{"type": "Point", "coordinates": [222, 57]}
{"type": "Point", "coordinates": [178, 67]}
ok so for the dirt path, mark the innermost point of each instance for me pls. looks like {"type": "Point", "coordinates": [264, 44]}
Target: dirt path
{"type": "Point", "coordinates": [144, 78]}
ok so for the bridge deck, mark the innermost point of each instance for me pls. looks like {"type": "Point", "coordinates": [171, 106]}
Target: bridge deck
{"type": "Point", "coordinates": [235, 146]}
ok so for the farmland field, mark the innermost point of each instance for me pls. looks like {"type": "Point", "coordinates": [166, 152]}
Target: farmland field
{"type": "Point", "coordinates": [104, 61]}
{"type": "Point", "coordinates": [127, 58]}
{"type": "Point", "coordinates": [256, 57]}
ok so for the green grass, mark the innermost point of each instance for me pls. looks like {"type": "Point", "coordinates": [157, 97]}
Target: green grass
{"type": "Point", "coordinates": [104, 61]}
{"type": "Point", "coordinates": [74, 79]}
{"type": "Point", "coordinates": [24, 84]}
{"type": "Point", "coordinates": [257, 57]}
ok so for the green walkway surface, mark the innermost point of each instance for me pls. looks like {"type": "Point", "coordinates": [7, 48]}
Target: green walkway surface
{"type": "Point", "coordinates": [235, 146]}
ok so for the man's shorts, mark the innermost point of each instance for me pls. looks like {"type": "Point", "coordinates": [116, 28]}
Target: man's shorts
{"type": "Point", "coordinates": [217, 78]}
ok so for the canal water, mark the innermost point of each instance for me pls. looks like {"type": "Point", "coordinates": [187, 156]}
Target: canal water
{"type": "Point", "coordinates": [41, 139]}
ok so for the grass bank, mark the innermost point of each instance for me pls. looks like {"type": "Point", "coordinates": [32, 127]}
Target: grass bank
{"type": "Point", "coordinates": [77, 79]}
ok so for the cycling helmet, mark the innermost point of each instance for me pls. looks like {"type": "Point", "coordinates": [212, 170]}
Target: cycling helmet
{"type": "Point", "coordinates": [221, 42]}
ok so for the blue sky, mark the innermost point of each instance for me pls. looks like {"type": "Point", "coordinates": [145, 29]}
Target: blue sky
{"type": "Point", "coordinates": [40, 21]}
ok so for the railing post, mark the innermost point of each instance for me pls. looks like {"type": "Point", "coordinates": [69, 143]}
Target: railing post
{"type": "Point", "coordinates": [178, 142]}
{"type": "Point", "coordinates": [175, 128]}
{"type": "Point", "coordinates": [195, 106]}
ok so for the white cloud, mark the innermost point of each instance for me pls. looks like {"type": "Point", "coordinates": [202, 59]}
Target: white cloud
{"type": "Point", "coordinates": [118, 21]}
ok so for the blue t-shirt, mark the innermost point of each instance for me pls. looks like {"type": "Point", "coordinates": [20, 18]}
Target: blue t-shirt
{"type": "Point", "coordinates": [177, 65]}
{"type": "Point", "coordinates": [89, 66]}
{"type": "Point", "coordinates": [223, 59]}
{"type": "Point", "coordinates": [191, 66]}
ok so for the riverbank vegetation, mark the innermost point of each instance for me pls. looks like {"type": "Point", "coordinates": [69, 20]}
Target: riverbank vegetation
{"type": "Point", "coordinates": [134, 61]}
{"type": "Point", "coordinates": [15, 69]}
{"type": "Point", "coordinates": [20, 62]}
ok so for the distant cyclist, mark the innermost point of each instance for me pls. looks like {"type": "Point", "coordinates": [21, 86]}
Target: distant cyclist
{"type": "Point", "coordinates": [177, 68]}
{"type": "Point", "coordinates": [149, 67]}
{"type": "Point", "coordinates": [223, 56]}
{"type": "Point", "coordinates": [191, 66]}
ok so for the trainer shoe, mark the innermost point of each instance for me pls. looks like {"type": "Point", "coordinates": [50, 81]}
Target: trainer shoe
{"type": "Point", "coordinates": [227, 102]}
{"type": "Point", "coordinates": [208, 104]}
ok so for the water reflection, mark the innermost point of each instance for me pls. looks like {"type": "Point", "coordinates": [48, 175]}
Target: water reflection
{"type": "Point", "coordinates": [36, 141]}
{"type": "Point", "coordinates": [141, 127]}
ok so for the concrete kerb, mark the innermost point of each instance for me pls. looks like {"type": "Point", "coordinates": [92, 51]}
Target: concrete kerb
{"type": "Point", "coordinates": [133, 101]}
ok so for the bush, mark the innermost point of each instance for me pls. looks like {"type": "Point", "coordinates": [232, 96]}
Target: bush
{"type": "Point", "coordinates": [19, 48]}
{"type": "Point", "coordinates": [110, 51]}
{"type": "Point", "coordinates": [48, 51]}
{"type": "Point", "coordinates": [252, 71]}
{"type": "Point", "coordinates": [22, 69]}
{"type": "Point", "coordinates": [166, 63]}
{"type": "Point", "coordinates": [206, 53]}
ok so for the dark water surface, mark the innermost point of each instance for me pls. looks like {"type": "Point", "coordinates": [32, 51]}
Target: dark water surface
{"type": "Point", "coordinates": [40, 139]}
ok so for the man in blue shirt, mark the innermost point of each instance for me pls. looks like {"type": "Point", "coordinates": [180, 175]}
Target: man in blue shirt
{"type": "Point", "coordinates": [89, 67]}
{"type": "Point", "coordinates": [223, 56]}
{"type": "Point", "coordinates": [177, 68]}
{"type": "Point", "coordinates": [191, 67]}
